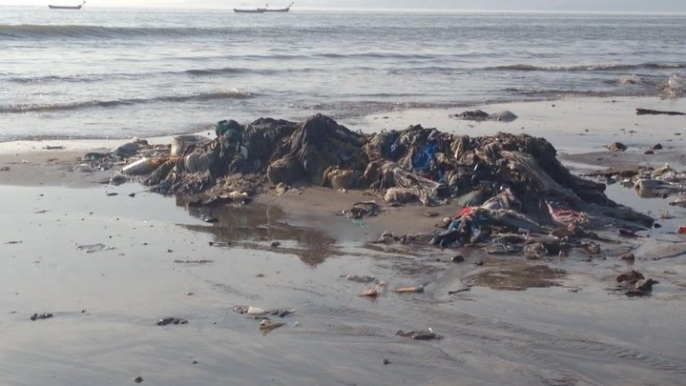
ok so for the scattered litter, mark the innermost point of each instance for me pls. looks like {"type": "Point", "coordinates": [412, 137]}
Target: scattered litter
{"type": "Point", "coordinates": [256, 312]}
{"type": "Point", "coordinates": [457, 291]}
{"type": "Point", "coordinates": [427, 334]}
{"type": "Point", "coordinates": [111, 194]}
{"type": "Point", "coordinates": [628, 257]}
{"type": "Point", "coordinates": [361, 279]}
{"type": "Point", "coordinates": [171, 321]}
{"type": "Point", "coordinates": [406, 290]}
{"type": "Point", "coordinates": [281, 188]}
{"type": "Point", "coordinates": [509, 184]}
{"type": "Point", "coordinates": [44, 316]}
{"type": "Point", "coordinates": [118, 179]}
{"type": "Point", "coordinates": [640, 111]}
{"type": "Point", "coordinates": [219, 244]}
{"type": "Point", "coordinates": [364, 209]}
{"type": "Point", "coordinates": [268, 325]}
{"type": "Point", "coordinates": [480, 115]}
{"type": "Point", "coordinates": [204, 261]}
{"type": "Point", "coordinates": [14, 242]}
{"type": "Point", "coordinates": [634, 284]}
{"type": "Point", "coordinates": [209, 219]}
{"type": "Point", "coordinates": [92, 248]}
{"type": "Point", "coordinates": [53, 147]}
{"type": "Point", "coordinates": [143, 166]}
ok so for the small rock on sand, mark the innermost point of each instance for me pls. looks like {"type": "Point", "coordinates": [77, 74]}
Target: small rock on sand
{"type": "Point", "coordinates": [617, 146]}
{"type": "Point", "coordinates": [138, 379]}
{"type": "Point", "coordinates": [628, 257]}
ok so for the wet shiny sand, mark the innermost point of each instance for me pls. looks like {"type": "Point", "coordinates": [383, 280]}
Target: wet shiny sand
{"type": "Point", "coordinates": [573, 330]}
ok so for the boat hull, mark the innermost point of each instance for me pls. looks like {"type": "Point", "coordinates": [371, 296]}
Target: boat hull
{"type": "Point", "coordinates": [259, 10]}
{"type": "Point", "coordinates": [76, 8]}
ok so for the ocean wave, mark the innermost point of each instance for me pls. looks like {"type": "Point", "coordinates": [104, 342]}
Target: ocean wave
{"type": "Point", "coordinates": [34, 31]}
{"type": "Point", "coordinates": [196, 72]}
{"type": "Point", "coordinates": [558, 93]}
{"type": "Point", "coordinates": [674, 87]}
{"type": "Point", "coordinates": [25, 108]}
{"type": "Point", "coordinates": [593, 67]}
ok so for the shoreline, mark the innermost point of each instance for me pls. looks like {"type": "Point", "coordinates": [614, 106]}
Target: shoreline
{"type": "Point", "coordinates": [428, 116]}
{"type": "Point", "coordinates": [542, 320]}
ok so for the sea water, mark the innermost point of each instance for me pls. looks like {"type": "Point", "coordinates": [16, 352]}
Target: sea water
{"type": "Point", "coordinates": [116, 73]}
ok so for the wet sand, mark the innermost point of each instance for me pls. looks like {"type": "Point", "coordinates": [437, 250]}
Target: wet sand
{"type": "Point", "coordinates": [550, 322]}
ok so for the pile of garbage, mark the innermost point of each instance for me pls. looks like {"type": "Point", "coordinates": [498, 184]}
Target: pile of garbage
{"type": "Point", "coordinates": [508, 179]}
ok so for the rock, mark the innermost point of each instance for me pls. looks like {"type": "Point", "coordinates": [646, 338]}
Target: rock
{"type": "Point", "coordinates": [458, 259]}
{"type": "Point", "coordinates": [657, 147]}
{"type": "Point", "coordinates": [5, 169]}
{"type": "Point", "coordinates": [631, 277]}
{"type": "Point", "coordinates": [646, 285]}
{"type": "Point", "coordinates": [649, 152]}
{"type": "Point", "coordinates": [385, 362]}
{"type": "Point", "coordinates": [643, 287]}
{"type": "Point", "coordinates": [118, 179]}
{"type": "Point", "coordinates": [275, 244]}
{"type": "Point", "coordinates": [138, 379]}
{"type": "Point", "coordinates": [617, 146]}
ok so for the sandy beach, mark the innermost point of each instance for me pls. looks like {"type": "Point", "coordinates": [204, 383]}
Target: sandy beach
{"type": "Point", "coordinates": [554, 321]}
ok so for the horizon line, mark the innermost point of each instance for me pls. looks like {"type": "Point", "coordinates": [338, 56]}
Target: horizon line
{"type": "Point", "coordinates": [376, 9]}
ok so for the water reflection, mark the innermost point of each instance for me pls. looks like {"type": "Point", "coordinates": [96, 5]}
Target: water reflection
{"type": "Point", "coordinates": [257, 225]}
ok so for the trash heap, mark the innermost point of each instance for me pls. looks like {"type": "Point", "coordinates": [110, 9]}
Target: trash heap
{"type": "Point", "coordinates": [505, 179]}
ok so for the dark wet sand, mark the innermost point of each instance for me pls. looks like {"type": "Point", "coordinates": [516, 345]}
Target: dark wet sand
{"type": "Point", "coordinates": [549, 322]}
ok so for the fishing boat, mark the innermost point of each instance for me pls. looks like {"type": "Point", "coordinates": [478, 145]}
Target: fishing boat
{"type": "Point", "coordinates": [267, 9]}
{"type": "Point", "coordinates": [72, 7]}
{"type": "Point", "coordinates": [254, 10]}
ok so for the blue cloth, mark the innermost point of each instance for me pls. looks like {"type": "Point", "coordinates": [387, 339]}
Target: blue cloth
{"type": "Point", "coordinates": [422, 160]}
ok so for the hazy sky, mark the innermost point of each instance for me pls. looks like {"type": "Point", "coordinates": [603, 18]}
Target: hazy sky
{"type": "Point", "coordinates": [515, 5]}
